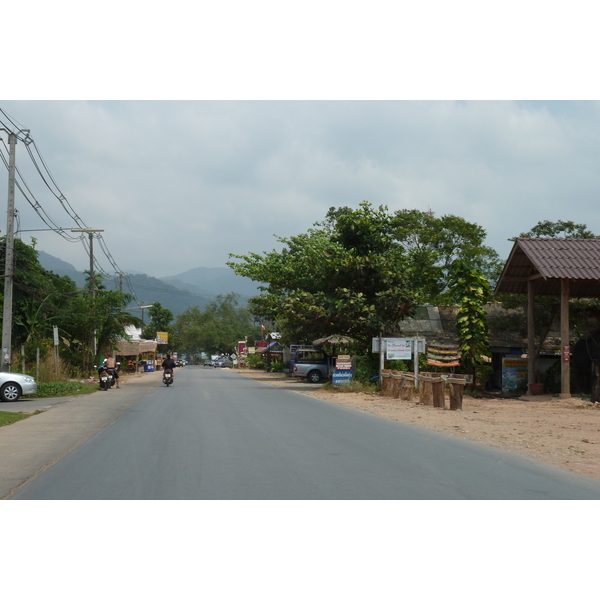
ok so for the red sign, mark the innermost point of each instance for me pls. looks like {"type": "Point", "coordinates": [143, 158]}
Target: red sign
{"type": "Point", "coordinates": [566, 353]}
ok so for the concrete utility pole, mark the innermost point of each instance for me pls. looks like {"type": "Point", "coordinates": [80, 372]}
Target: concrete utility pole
{"type": "Point", "coordinates": [9, 259]}
{"type": "Point", "coordinates": [90, 232]}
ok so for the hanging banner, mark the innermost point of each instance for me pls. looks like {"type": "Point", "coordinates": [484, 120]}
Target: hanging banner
{"type": "Point", "coordinates": [443, 355]}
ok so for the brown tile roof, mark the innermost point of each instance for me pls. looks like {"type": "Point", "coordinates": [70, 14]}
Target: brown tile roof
{"type": "Point", "coordinates": [547, 261]}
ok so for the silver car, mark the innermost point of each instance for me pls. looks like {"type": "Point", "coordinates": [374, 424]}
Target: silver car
{"type": "Point", "coordinates": [14, 385]}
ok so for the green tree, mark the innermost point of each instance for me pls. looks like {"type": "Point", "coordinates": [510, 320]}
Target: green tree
{"type": "Point", "coordinates": [470, 290]}
{"type": "Point", "coordinates": [160, 320]}
{"type": "Point", "coordinates": [361, 271]}
{"type": "Point", "coordinates": [559, 229]}
{"type": "Point", "coordinates": [435, 243]}
{"type": "Point", "coordinates": [217, 329]}
{"type": "Point", "coordinates": [95, 321]}
{"type": "Point", "coordinates": [349, 277]}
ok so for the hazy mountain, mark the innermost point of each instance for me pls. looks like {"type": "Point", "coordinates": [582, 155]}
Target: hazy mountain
{"type": "Point", "coordinates": [197, 287]}
{"type": "Point", "coordinates": [213, 281]}
{"type": "Point", "coordinates": [60, 267]}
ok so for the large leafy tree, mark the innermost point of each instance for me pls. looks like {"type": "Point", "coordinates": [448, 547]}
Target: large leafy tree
{"type": "Point", "coordinates": [436, 243]}
{"type": "Point", "coordinates": [348, 277]}
{"type": "Point", "coordinates": [160, 320]}
{"type": "Point", "coordinates": [361, 271]}
{"type": "Point", "coordinates": [559, 229]}
{"type": "Point", "coordinates": [40, 299]}
{"type": "Point", "coordinates": [94, 321]}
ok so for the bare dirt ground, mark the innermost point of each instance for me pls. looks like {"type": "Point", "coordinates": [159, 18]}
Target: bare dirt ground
{"type": "Point", "coordinates": [565, 433]}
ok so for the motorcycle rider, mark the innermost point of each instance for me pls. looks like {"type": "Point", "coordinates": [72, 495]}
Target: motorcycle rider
{"type": "Point", "coordinates": [111, 365]}
{"type": "Point", "coordinates": [169, 365]}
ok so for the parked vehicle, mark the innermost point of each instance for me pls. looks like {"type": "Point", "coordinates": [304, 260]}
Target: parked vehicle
{"type": "Point", "coordinates": [15, 385]}
{"type": "Point", "coordinates": [314, 364]}
{"type": "Point", "coordinates": [222, 363]}
{"type": "Point", "coordinates": [168, 377]}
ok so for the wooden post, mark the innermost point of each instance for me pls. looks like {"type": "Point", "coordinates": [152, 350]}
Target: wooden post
{"type": "Point", "coordinates": [530, 334]}
{"type": "Point", "coordinates": [395, 384]}
{"type": "Point", "coordinates": [37, 364]}
{"type": "Point", "coordinates": [439, 400]}
{"type": "Point", "coordinates": [23, 358]}
{"type": "Point", "coordinates": [385, 381]}
{"type": "Point", "coordinates": [425, 389]}
{"type": "Point", "coordinates": [565, 372]}
{"type": "Point", "coordinates": [456, 386]}
{"type": "Point", "coordinates": [595, 380]}
{"type": "Point", "coordinates": [407, 386]}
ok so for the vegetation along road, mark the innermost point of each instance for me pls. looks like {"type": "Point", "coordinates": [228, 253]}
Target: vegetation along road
{"type": "Point", "coordinates": [216, 434]}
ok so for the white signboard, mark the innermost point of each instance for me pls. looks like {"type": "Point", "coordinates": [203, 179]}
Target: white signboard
{"type": "Point", "coordinates": [375, 343]}
{"type": "Point", "coordinates": [399, 349]}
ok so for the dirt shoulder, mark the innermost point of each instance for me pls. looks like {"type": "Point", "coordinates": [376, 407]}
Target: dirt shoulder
{"type": "Point", "coordinates": [565, 433]}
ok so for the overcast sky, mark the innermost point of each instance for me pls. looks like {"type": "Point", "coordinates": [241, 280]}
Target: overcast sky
{"type": "Point", "coordinates": [180, 184]}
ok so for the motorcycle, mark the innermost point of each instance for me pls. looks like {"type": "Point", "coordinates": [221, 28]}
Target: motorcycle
{"type": "Point", "coordinates": [106, 376]}
{"type": "Point", "coordinates": [168, 377]}
{"type": "Point", "coordinates": [105, 379]}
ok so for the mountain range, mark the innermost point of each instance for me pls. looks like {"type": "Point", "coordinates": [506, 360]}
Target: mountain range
{"type": "Point", "coordinates": [196, 287]}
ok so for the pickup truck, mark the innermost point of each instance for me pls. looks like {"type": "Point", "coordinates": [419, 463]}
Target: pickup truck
{"type": "Point", "coordinates": [315, 365]}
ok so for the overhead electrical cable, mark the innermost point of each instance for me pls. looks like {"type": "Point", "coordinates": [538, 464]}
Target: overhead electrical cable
{"type": "Point", "coordinates": [24, 136]}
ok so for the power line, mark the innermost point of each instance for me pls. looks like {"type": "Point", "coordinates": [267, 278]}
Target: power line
{"type": "Point", "coordinates": [24, 135]}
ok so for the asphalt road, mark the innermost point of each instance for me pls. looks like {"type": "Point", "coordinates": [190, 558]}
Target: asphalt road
{"type": "Point", "coordinates": [216, 434]}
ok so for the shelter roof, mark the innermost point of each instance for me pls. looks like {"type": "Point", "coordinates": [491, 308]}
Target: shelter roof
{"type": "Point", "coordinates": [548, 260]}
{"type": "Point", "coordinates": [125, 348]}
{"type": "Point", "coordinates": [341, 340]}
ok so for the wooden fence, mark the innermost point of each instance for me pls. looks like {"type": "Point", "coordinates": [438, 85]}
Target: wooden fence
{"type": "Point", "coordinates": [432, 386]}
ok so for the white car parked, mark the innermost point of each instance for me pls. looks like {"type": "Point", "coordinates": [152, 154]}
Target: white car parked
{"type": "Point", "coordinates": [14, 385]}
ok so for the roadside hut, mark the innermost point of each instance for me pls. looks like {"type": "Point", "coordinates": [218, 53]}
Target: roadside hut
{"type": "Point", "coordinates": [563, 267]}
{"type": "Point", "coordinates": [137, 349]}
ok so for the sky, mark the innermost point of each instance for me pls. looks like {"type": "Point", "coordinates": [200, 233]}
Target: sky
{"type": "Point", "coordinates": [180, 184]}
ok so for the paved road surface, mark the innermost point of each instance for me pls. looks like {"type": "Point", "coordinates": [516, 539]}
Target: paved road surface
{"type": "Point", "coordinates": [216, 434]}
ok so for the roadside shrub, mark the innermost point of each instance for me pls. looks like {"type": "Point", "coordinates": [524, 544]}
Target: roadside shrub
{"type": "Point", "coordinates": [354, 387]}
{"type": "Point", "coordinates": [367, 367]}
{"type": "Point", "coordinates": [277, 366]}
{"type": "Point", "coordinates": [255, 361]}
{"type": "Point", "coordinates": [57, 389]}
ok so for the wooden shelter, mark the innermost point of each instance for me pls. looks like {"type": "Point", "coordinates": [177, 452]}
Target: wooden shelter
{"type": "Point", "coordinates": [564, 267]}
{"type": "Point", "coordinates": [136, 348]}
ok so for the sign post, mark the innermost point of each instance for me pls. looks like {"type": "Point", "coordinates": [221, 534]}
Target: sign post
{"type": "Point", "coordinates": [343, 372]}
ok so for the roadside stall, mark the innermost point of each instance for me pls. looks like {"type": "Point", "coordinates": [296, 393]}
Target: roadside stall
{"type": "Point", "coordinates": [141, 352]}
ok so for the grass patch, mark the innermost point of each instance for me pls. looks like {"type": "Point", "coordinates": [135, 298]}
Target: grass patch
{"type": "Point", "coordinates": [7, 418]}
{"type": "Point", "coordinates": [353, 387]}
{"type": "Point", "coordinates": [56, 389]}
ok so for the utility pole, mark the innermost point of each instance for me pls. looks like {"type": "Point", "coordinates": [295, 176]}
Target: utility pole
{"type": "Point", "coordinates": [9, 259]}
{"type": "Point", "coordinates": [91, 232]}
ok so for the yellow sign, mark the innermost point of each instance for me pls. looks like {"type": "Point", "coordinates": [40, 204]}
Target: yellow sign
{"type": "Point", "coordinates": [162, 337]}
